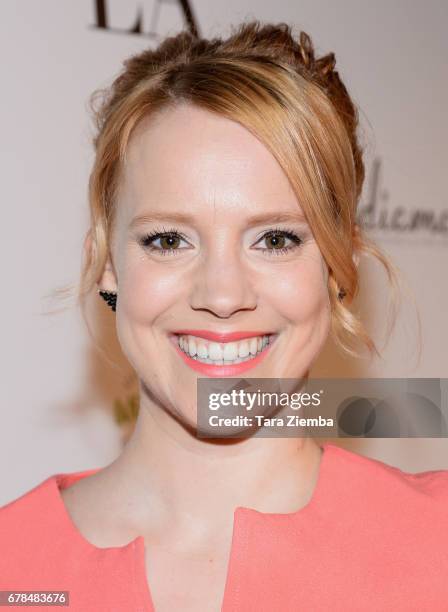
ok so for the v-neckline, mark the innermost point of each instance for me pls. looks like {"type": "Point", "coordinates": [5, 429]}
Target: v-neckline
{"type": "Point", "coordinates": [238, 546]}
{"type": "Point", "coordinates": [242, 521]}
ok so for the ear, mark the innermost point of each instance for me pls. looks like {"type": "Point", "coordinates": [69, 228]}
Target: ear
{"type": "Point", "coordinates": [107, 280]}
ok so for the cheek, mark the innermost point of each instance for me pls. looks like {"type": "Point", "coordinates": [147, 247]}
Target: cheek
{"type": "Point", "coordinates": [300, 291]}
{"type": "Point", "coordinates": [146, 294]}
{"type": "Point", "coordinates": [146, 291]}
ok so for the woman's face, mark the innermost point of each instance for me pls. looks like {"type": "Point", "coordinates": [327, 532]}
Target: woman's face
{"type": "Point", "coordinates": [206, 181]}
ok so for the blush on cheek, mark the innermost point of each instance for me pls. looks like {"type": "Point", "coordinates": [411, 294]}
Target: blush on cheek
{"type": "Point", "coordinates": [147, 292]}
{"type": "Point", "coordinates": [301, 297]}
{"type": "Point", "coordinates": [148, 299]}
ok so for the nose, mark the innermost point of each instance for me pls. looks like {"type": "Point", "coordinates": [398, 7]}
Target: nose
{"type": "Point", "coordinates": [223, 286]}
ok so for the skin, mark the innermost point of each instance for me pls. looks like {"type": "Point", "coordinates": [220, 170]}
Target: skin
{"type": "Point", "coordinates": [187, 159]}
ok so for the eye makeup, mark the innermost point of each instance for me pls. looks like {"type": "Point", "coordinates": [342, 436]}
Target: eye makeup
{"type": "Point", "coordinates": [148, 241]}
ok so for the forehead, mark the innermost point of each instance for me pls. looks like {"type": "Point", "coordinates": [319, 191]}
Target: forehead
{"type": "Point", "coordinates": [189, 158]}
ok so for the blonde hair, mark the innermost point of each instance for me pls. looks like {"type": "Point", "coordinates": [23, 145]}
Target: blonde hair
{"type": "Point", "coordinates": [295, 103]}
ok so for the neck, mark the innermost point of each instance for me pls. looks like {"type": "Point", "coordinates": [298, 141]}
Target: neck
{"type": "Point", "coordinates": [176, 479]}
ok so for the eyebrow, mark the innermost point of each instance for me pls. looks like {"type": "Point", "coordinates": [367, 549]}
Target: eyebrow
{"type": "Point", "coordinates": [179, 217]}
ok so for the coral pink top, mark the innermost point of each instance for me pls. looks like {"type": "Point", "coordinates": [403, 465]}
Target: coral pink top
{"type": "Point", "coordinates": [372, 538]}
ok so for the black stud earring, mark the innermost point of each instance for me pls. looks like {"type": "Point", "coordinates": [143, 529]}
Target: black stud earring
{"type": "Point", "coordinates": [341, 294]}
{"type": "Point", "coordinates": [110, 297]}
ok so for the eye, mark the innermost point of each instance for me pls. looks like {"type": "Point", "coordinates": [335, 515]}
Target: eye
{"type": "Point", "coordinates": [169, 241]}
{"type": "Point", "coordinates": [278, 238]}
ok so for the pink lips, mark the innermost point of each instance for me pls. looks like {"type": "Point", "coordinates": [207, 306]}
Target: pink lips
{"type": "Point", "coordinates": [224, 370]}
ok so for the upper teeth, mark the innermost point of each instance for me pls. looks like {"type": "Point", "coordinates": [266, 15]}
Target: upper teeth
{"type": "Point", "coordinates": [216, 351]}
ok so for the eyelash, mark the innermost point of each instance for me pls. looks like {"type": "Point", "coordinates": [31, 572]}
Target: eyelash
{"type": "Point", "coordinates": [148, 239]}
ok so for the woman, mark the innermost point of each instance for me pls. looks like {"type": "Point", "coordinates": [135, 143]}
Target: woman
{"type": "Point", "coordinates": [223, 226]}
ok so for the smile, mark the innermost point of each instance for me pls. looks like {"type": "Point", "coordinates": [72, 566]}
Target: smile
{"type": "Point", "coordinates": [224, 358]}
{"type": "Point", "coordinates": [207, 351]}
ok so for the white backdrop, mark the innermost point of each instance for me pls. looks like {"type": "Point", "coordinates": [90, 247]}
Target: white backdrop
{"type": "Point", "coordinates": [58, 393]}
